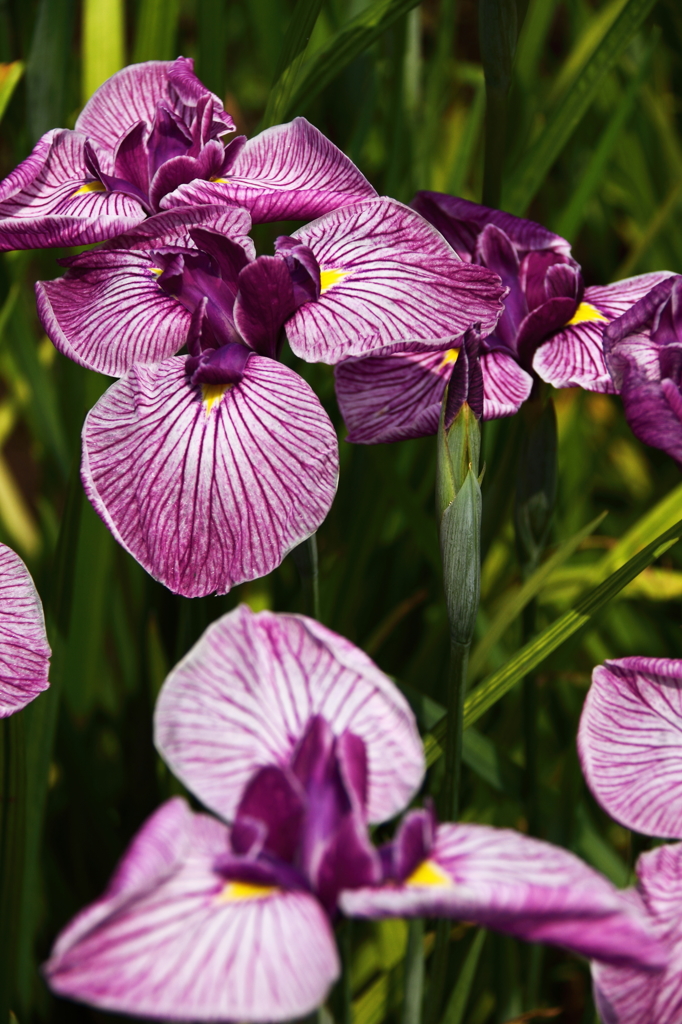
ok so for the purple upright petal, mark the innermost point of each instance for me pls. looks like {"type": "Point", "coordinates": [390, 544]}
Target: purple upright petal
{"type": "Point", "coordinates": [188, 944]}
{"type": "Point", "coordinates": [630, 996]}
{"type": "Point", "coordinates": [244, 695]}
{"type": "Point", "coordinates": [174, 228]}
{"type": "Point", "coordinates": [395, 392]}
{"type": "Point", "coordinates": [24, 650]}
{"type": "Point", "coordinates": [51, 199]}
{"type": "Point", "coordinates": [289, 172]}
{"type": "Point", "coordinates": [208, 487]}
{"type": "Point", "coordinates": [265, 300]}
{"type": "Point", "coordinates": [505, 385]}
{"type": "Point", "coordinates": [108, 312]}
{"type": "Point", "coordinates": [461, 222]}
{"type": "Point", "coordinates": [387, 276]}
{"type": "Point", "coordinates": [506, 881]}
{"type": "Point", "coordinates": [630, 743]}
{"type": "Point", "coordinates": [131, 95]}
{"type": "Point", "coordinates": [574, 357]}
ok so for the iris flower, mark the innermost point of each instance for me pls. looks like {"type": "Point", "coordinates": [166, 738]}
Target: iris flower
{"type": "Point", "coordinates": [551, 328]}
{"type": "Point", "coordinates": [208, 468]}
{"type": "Point", "coordinates": [24, 650]}
{"type": "Point", "coordinates": [630, 744]}
{"type": "Point", "coordinates": [296, 739]}
{"type": "Point", "coordinates": [148, 130]}
{"type": "Point", "coordinates": [644, 354]}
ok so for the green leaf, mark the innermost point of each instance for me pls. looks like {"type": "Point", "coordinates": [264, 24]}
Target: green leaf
{"type": "Point", "coordinates": [103, 42]}
{"type": "Point", "coordinates": [515, 604]}
{"type": "Point", "coordinates": [457, 1003]}
{"type": "Point", "coordinates": [291, 57]}
{"type": "Point", "coordinates": [536, 650]}
{"type": "Point", "coordinates": [347, 44]}
{"type": "Point", "coordinates": [539, 157]}
{"type": "Point", "coordinates": [48, 66]}
{"type": "Point", "coordinates": [10, 76]}
{"type": "Point", "coordinates": [157, 29]}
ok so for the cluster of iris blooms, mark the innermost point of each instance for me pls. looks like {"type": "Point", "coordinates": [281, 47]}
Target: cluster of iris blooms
{"type": "Point", "coordinates": [209, 460]}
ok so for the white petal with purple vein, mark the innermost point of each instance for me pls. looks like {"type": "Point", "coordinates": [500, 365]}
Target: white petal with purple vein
{"type": "Point", "coordinates": [392, 277]}
{"type": "Point", "coordinates": [630, 743]}
{"type": "Point", "coordinates": [209, 493]}
{"type": "Point", "coordinates": [24, 650]}
{"type": "Point", "coordinates": [243, 695]}
{"type": "Point", "coordinates": [505, 385]}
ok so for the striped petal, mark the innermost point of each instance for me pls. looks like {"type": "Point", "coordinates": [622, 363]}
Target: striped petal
{"type": "Point", "coordinates": [209, 488]}
{"type": "Point", "coordinates": [506, 881]}
{"type": "Point", "coordinates": [574, 357]}
{"type": "Point", "coordinates": [289, 172]}
{"type": "Point", "coordinates": [181, 943]}
{"type": "Point", "coordinates": [47, 200]}
{"type": "Point", "coordinates": [243, 696]}
{"type": "Point", "coordinates": [461, 222]}
{"type": "Point", "coordinates": [108, 312]}
{"type": "Point", "coordinates": [131, 95]}
{"type": "Point", "coordinates": [628, 996]}
{"type": "Point", "coordinates": [630, 743]}
{"type": "Point", "coordinates": [394, 393]}
{"type": "Point", "coordinates": [24, 650]}
{"type": "Point", "coordinates": [387, 276]}
{"type": "Point", "coordinates": [505, 385]}
{"type": "Point", "coordinates": [173, 228]}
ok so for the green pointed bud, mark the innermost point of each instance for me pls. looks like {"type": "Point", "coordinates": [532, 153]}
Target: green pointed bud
{"type": "Point", "coordinates": [458, 507]}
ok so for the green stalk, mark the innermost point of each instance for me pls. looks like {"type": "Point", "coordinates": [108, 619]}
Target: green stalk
{"type": "Point", "coordinates": [459, 657]}
{"type": "Point", "coordinates": [414, 973]}
{"type": "Point", "coordinates": [305, 557]}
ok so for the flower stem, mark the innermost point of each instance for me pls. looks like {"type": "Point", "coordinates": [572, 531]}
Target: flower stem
{"type": "Point", "coordinates": [414, 973]}
{"type": "Point", "coordinates": [12, 852]}
{"type": "Point", "coordinates": [305, 557]}
{"type": "Point", "coordinates": [459, 658]}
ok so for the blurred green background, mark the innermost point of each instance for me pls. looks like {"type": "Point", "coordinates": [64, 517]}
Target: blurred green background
{"type": "Point", "coordinates": [588, 142]}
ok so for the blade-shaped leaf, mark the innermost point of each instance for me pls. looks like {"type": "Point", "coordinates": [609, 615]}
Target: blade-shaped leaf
{"type": "Point", "coordinates": [518, 601]}
{"type": "Point", "coordinates": [457, 1003]}
{"type": "Point", "coordinates": [157, 28]}
{"type": "Point", "coordinates": [103, 42]}
{"type": "Point", "coordinates": [350, 41]}
{"type": "Point", "coordinates": [10, 76]}
{"type": "Point", "coordinates": [290, 60]}
{"type": "Point", "coordinates": [536, 650]}
{"type": "Point", "coordinates": [533, 168]}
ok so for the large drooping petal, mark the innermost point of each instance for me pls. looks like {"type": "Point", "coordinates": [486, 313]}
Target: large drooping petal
{"type": "Point", "coordinates": [211, 485]}
{"type": "Point", "coordinates": [395, 392]}
{"type": "Point", "coordinates": [50, 199]}
{"type": "Point", "coordinates": [244, 694]}
{"type": "Point", "coordinates": [630, 743]}
{"type": "Point", "coordinates": [108, 312]}
{"type": "Point", "coordinates": [461, 222]}
{"type": "Point", "coordinates": [505, 385]}
{"type": "Point", "coordinates": [24, 650]}
{"type": "Point", "coordinates": [175, 939]}
{"type": "Point", "coordinates": [527, 888]}
{"type": "Point", "coordinates": [289, 172]}
{"type": "Point", "coordinates": [574, 356]}
{"type": "Point", "coordinates": [387, 276]}
{"type": "Point", "coordinates": [629, 996]}
{"type": "Point", "coordinates": [131, 95]}
{"type": "Point", "coordinates": [173, 227]}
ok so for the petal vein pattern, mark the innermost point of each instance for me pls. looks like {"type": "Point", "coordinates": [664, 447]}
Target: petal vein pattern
{"type": "Point", "coordinates": [205, 502]}
{"type": "Point", "coordinates": [243, 696]}
{"type": "Point", "coordinates": [24, 650]}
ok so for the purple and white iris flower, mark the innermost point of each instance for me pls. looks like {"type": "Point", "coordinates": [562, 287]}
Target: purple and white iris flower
{"type": "Point", "coordinates": [24, 650]}
{"type": "Point", "coordinates": [643, 351]}
{"type": "Point", "coordinates": [551, 328]}
{"type": "Point", "coordinates": [296, 739]}
{"type": "Point", "coordinates": [630, 745]}
{"type": "Point", "coordinates": [149, 130]}
{"type": "Point", "coordinates": [208, 468]}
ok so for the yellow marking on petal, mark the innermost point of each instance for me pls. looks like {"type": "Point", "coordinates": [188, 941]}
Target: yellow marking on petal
{"type": "Point", "coordinates": [331, 277]}
{"type": "Point", "coordinates": [235, 892]}
{"type": "Point", "coordinates": [220, 181]}
{"type": "Point", "coordinates": [90, 186]}
{"type": "Point", "coordinates": [586, 313]}
{"type": "Point", "coordinates": [449, 357]}
{"type": "Point", "coordinates": [429, 874]}
{"type": "Point", "coordinates": [212, 394]}
{"type": "Point", "coordinates": [156, 271]}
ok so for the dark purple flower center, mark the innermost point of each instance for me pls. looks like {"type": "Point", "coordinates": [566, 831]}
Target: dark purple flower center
{"type": "Point", "coordinates": [545, 290]}
{"type": "Point", "coordinates": [182, 143]}
{"type": "Point", "coordinates": [305, 825]}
